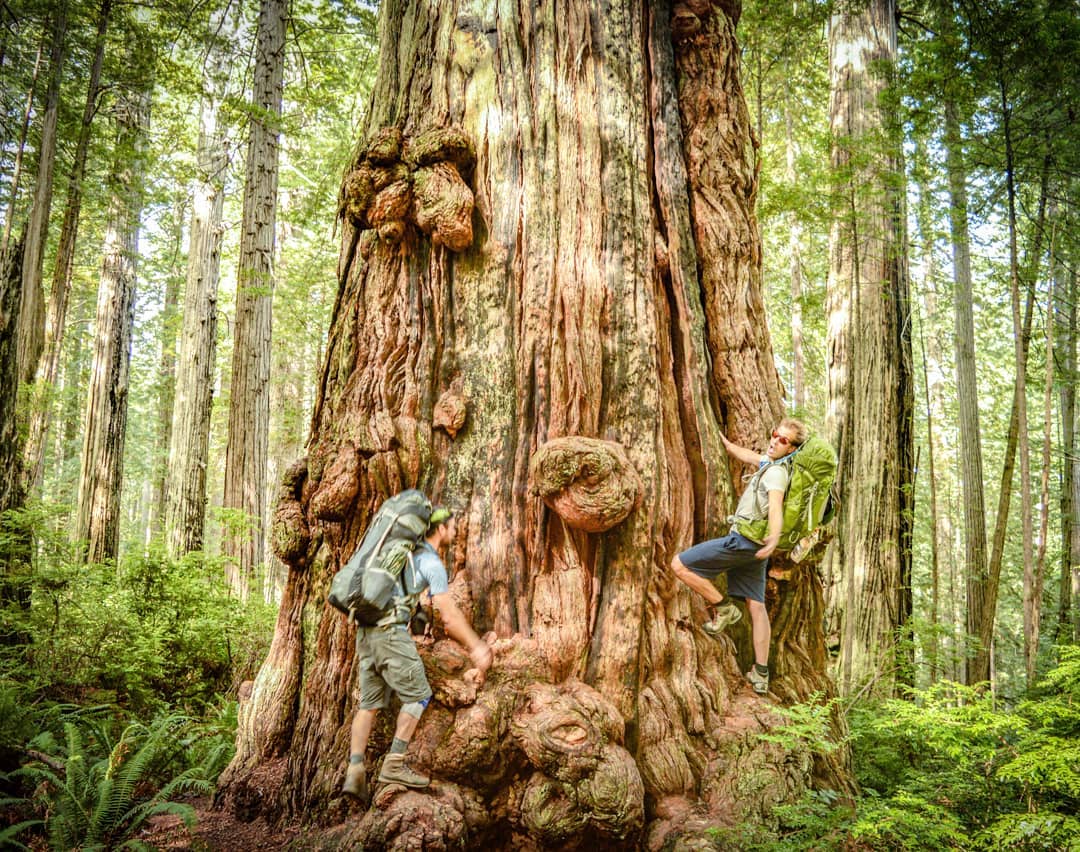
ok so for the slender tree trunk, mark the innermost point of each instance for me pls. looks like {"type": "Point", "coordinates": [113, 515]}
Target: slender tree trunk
{"type": "Point", "coordinates": [795, 263]}
{"type": "Point", "coordinates": [933, 364]}
{"type": "Point", "coordinates": [166, 380]}
{"type": "Point", "coordinates": [32, 312]}
{"type": "Point", "coordinates": [971, 465]}
{"type": "Point", "coordinates": [527, 285]}
{"type": "Point", "coordinates": [1017, 418]}
{"type": "Point", "coordinates": [869, 356]}
{"type": "Point", "coordinates": [1032, 651]}
{"type": "Point", "coordinates": [1065, 317]}
{"type": "Point", "coordinates": [11, 494]}
{"type": "Point", "coordinates": [101, 474]}
{"type": "Point", "coordinates": [16, 173]}
{"type": "Point", "coordinates": [185, 502]}
{"type": "Point", "coordinates": [249, 401]}
{"type": "Point", "coordinates": [56, 316]}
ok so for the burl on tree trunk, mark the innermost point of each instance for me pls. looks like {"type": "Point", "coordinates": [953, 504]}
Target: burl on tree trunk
{"type": "Point", "coordinates": [549, 246]}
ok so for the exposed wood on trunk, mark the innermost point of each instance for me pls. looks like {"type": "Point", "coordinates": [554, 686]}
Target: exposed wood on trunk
{"type": "Point", "coordinates": [249, 391]}
{"type": "Point", "coordinates": [869, 356]}
{"type": "Point", "coordinates": [97, 526]}
{"type": "Point", "coordinates": [557, 290]}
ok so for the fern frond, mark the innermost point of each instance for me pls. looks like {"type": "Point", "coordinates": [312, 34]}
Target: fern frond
{"type": "Point", "coordinates": [8, 835]}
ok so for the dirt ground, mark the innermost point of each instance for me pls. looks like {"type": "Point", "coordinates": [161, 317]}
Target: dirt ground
{"type": "Point", "coordinates": [214, 831]}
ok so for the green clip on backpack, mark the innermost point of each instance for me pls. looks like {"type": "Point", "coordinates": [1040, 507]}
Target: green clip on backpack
{"type": "Point", "coordinates": [808, 502]}
{"type": "Point", "coordinates": [364, 588]}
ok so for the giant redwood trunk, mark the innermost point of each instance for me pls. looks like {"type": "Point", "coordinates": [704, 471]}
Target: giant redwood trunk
{"type": "Point", "coordinates": [549, 303]}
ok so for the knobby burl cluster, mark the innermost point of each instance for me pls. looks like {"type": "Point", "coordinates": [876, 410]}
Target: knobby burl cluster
{"type": "Point", "coordinates": [398, 180]}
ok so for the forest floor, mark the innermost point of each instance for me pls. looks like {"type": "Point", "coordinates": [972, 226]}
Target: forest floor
{"type": "Point", "coordinates": [214, 831]}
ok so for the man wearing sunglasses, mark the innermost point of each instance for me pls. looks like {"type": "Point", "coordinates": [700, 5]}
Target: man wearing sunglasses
{"type": "Point", "coordinates": [743, 560]}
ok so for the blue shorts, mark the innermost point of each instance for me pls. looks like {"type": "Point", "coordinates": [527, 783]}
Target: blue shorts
{"type": "Point", "coordinates": [734, 555]}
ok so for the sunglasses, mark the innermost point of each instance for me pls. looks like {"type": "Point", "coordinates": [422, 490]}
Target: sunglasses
{"type": "Point", "coordinates": [783, 439]}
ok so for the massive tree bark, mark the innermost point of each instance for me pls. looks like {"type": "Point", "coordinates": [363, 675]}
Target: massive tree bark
{"type": "Point", "coordinates": [101, 476]}
{"type": "Point", "coordinates": [249, 400]}
{"type": "Point", "coordinates": [32, 311]}
{"type": "Point", "coordinates": [526, 329]}
{"type": "Point", "coordinates": [56, 316]}
{"type": "Point", "coordinates": [185, 490]}
{"type": "Point", "coordinates": [869, 354]}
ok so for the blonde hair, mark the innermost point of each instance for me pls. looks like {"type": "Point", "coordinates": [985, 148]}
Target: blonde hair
{"type": "Point", "coordinates": [796, 426]}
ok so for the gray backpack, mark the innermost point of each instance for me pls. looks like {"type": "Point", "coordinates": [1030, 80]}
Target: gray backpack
{"type": "Point", "coordinates": [365, 587]}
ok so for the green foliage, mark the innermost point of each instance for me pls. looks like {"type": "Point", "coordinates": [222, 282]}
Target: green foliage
{"type": "Point", "coordinates": [147, 633]}
{"type": "Point", "coordinates": [96, 790]}
{"type": "Point", "coordinates": [808, 725]}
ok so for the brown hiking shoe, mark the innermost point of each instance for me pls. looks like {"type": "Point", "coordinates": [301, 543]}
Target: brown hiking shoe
{"type": "Point", "coordinates": [355, 781]}
{"type": "Point", "coordinates": [395, 771]}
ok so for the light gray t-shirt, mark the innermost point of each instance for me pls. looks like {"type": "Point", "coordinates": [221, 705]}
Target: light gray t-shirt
{"type": "Point", "coordinates": [754, 502]}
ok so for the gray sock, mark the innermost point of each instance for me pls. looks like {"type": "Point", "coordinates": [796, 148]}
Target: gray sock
{"type": "Point", "coordinates": [399, 746]}
{"type": "Point", "coordinates": [356, 758]}
{"type": "Point", "coordinates": [761, 670]}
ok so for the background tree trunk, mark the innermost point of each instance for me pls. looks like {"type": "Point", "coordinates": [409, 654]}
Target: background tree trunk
{"type": "Point", "coordinates": [10, 445]}
{"type": "Point", "coordinates": [189, 442]}
{"type": "Point", "coordinates": [249, 400]}
{"type": "Point", "coordinates": [869, 354]}
{"type": "Point", "coordinates": [20, 152]}
{"type": "Point", "coordinates": [56, 316]}
{"type": "Point", "coordinates": [521, 283]}
{"type": "Point", "coordinates": [1065, 317]}
{"type": "Point", "coordinates": [32, 312]}
{"type": "Point", "coordinates": [101, 475]}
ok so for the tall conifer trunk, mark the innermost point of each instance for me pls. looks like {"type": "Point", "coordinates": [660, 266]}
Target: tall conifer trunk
{"type": "Point", "coordinates": [189, 441]}
{"type": "Point", "coordinates": [32, 310]}
{"type": "Point", "coordinates": [525, 329]}
{"type": "Point", "coordinates": [249, 400]}
{"type": "Point", "coordinates": [869, 353]}
{"type": "Point", "coordinates": [56, 315]}
{"type": "Point", "coordinates": [101, 475]}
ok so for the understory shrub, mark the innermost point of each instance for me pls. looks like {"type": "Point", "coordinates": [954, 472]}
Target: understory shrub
{"type": "Point", "coordinates": [96, 787]}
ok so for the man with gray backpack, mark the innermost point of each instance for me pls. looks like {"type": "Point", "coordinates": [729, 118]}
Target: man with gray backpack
{"type": "Point", "coordinates": [786, 499]}
{"type": "Point", "coordinates": [389, 662]}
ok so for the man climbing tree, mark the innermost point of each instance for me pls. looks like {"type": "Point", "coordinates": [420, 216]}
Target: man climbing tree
{"type": "Point", "coordinates": [389, 662]}
{"type": "Point", "coordinates": [742, 558]}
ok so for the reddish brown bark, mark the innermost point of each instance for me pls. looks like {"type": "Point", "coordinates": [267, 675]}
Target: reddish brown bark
{"type": "Point", "coordinates": [550, 379]}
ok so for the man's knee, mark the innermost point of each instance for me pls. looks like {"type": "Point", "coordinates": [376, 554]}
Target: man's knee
{"type": "Point", "coordinates": [416, 708]}
{"type": "Point", "coordinates": [677, 567]}
{"type": "Point", "coordinates": [757, 609]}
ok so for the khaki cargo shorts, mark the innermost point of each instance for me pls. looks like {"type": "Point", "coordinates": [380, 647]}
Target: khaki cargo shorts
{"type": "Point", "coordinates": [388, 658]}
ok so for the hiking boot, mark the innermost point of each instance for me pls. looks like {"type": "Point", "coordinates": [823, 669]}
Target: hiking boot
{"type": "Point", "coordinates": [722, 617]}
{"type": "Point", "coordinates": [760, 682]}
{"type": "Point", "coordinates": [395, 771]}
{"type": "Point", "coordinates": [355, 781]}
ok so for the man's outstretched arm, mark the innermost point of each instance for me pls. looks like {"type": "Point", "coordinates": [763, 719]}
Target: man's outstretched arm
{"type": "Point", "coordinates": [459, 629]}
{"type": "Point", "coordinates": [741, 453]}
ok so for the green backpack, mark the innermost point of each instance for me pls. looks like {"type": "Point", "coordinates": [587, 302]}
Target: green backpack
{"type": "Point", "coordinates": [808, 502]}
